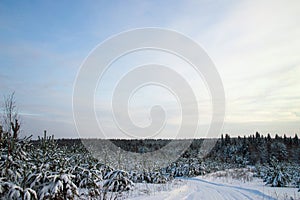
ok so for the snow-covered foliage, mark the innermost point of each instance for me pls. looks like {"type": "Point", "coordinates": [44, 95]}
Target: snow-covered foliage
{"type": "Point", "coordinates": [241, 174]}
{"type": "Point", "coordinates": [43, 170]}
{"type": "Point", "coordinates": [279, 174]}
{"type": "Point", "coordinates": [117, 181]}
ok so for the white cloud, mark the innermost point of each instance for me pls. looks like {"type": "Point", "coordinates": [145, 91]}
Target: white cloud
{"type": "Point", "coordinates": [256, 48]}
{"type": "Point", "coordinates": [255, 45]}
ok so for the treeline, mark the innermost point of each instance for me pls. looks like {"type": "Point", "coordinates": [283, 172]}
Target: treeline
{"type": "Point", "coordinates": [256, 149]}
{"type": "Point", "coordinates": [252, 149]}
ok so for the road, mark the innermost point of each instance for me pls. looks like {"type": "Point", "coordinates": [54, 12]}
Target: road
{"type": "Point", "coordinates": [197, 188]}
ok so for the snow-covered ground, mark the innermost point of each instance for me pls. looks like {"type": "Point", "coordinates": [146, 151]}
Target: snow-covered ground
{"type": "Point", "coordinates": [211, 187]}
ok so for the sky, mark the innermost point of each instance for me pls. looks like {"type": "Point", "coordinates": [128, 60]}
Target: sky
{"type": "Point", "coordinates": [255, 46]}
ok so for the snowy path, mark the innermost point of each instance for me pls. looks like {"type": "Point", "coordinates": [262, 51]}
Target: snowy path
{"type": "Point", "coordinates": [197, 188]}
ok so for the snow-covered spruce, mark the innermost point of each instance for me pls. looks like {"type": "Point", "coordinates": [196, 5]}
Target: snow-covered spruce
{"type": "Point", "coordinates": [45, 170]}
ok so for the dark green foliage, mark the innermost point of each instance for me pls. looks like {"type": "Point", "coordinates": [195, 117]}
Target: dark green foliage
{"type": "Point", "coordinates": [276, 174]}
{"type": "Point", "coordinates": [256, 149]}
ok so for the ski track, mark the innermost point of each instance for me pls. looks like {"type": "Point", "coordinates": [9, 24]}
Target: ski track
{"type": "Point", "coordinates": [197, 188]}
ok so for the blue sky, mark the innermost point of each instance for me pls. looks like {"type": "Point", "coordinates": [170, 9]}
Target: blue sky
{"type": "Point", "coordinates": [255, 46]}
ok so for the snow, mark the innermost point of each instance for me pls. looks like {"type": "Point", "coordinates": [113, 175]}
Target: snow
{"type": "Point", "coordinates": [208, 188]}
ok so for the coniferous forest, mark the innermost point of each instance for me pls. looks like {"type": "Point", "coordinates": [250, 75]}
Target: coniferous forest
{"type": "Point", "coordinates": [49, 168]}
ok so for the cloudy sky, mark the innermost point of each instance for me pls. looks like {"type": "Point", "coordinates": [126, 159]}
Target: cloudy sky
{"type": "Point", "coordinates": [255, 46]}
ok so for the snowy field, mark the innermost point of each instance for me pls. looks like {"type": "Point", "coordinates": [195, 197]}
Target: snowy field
{"type": "Point", "coordinates": [211, 187]}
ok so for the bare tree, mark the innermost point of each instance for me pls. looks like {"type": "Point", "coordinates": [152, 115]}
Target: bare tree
{"type": "Point", "coordinates": [10, 115]}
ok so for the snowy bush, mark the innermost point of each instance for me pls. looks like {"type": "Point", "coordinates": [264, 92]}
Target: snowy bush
{"type": "Point", "coordinates": [117, 181]}
{"type": "Point", "coordinates": [60, 186]}
{"type": "Point", "coordinates": [276, 174]}
{"type": "Point", "coordinates": [16, 192]}
{"type": "Point", "coordinates": [44, 170]}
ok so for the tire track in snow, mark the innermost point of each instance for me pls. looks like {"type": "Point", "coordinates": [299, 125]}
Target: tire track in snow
{"type": "Point", "coordinates": [197, 188]}
{"type": "Point", "coordinates": [235, 188]}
